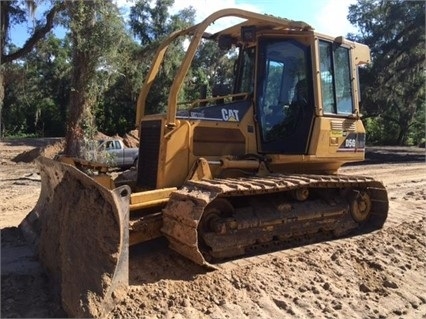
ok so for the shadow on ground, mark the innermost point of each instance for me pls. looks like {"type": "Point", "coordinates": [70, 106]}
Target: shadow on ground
{"type": "Point", "coordinates": [393, 154]}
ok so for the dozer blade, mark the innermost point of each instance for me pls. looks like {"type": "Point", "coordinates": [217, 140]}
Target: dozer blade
{"type": "Point", "coordinates": [80, 232]}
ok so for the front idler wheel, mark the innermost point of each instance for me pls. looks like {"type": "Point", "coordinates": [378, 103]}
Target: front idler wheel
{"type": "Point", "coordinates": [218, 209]}
{"type": "Point", "coordinates": [212, 226]}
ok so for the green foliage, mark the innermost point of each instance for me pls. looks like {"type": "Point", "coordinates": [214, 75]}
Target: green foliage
{"type": "Point", "coordinates": [96, 33]}
{"type": "Point", "coordinates": [121, 80]}
{"type": "Point", "coordinates": [93, 152]}
{"type": "Point", "coordinates": [115, 113]}
{"type": "Point", "coordinates": [17, 12]}
{"type": "Point", "coordinates": [393, 86]}
{"type": "Point", "coordinates": [36, 90]}
{"type": "Point", "coordinates": [380, 131]}
{"type": "Point", "coordinates": [91, 79]}
{"type": "Point", "coordinates": [97, 70]}
{"type": "Point", "coordinates": [151, 22]}
{"type": "Point", "coordinates": [211, 67]}
{"type": "Point", "coordinates": [417, 132]}
{"type": "Point", "coordinates": [21, 135]}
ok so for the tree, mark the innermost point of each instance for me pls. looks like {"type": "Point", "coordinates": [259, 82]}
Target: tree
{"type": "Point", "coordinates": [13, 12]}
{"type": "Point", "coordinates": [394, 90]}
{"type": "Point", "coordinates": [96, 30]}
{"type": "Point", "coordinates": [36, 92]}
{"type": "Point", "coordinates": [211, 67]}
{"type": "Point", "coordinates": [115, 112]}
{"type": "Point", "coordinates": [151, 23]}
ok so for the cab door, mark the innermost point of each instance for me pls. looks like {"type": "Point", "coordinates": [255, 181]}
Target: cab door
{"type": "Point", "coordinates": [284, 99]}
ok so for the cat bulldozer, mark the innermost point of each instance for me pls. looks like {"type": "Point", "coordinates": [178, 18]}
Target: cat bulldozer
{"type": "Point", "coordinates": [249, 166]}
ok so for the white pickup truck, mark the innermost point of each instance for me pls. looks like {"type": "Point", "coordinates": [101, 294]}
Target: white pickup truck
{"type": "Point", "coordinates": [118, 154]}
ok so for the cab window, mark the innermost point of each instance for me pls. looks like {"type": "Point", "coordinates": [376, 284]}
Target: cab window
{"type": "Point", "coordinates": [336, 85]}
{"type": "Point", "coordinates": [245, 80]}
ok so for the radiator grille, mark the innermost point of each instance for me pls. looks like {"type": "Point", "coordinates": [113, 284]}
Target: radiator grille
{"type": "Point", "coordinates": [149, 148]}
{"type": "Point", "coordinates": [345, 125]}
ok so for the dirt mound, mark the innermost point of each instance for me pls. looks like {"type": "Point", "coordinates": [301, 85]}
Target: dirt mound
{"type": "Point", "coordinates": [49, 151]}
{"type": "Point", "coordinates": [131, 139]}
{"type": "Point", "coordinates": [101, 136]}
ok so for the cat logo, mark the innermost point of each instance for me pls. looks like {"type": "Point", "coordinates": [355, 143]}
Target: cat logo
{"type": "Point", "coordinates": [230, 115]}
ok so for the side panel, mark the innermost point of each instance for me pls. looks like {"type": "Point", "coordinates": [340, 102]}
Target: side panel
{"type": "Point", "coordinates": [210, 141]}
{"type": "Point", "coordinates": [339, 138]}
{"type": "Point", "coordinates": [174, 156]}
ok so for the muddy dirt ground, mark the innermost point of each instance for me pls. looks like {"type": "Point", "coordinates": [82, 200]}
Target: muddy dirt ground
{"type": "Point", "coordinates": [375, 275]}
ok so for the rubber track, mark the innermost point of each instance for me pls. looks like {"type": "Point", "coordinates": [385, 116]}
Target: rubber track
{"type": "Point", "coordinates": [186, 206]}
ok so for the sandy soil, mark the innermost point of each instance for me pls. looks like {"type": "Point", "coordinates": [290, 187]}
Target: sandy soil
{"type": "Point", "coordinates": [376, 275]}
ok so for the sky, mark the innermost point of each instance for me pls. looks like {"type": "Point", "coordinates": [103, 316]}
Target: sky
{"type": "Point", "coordinates": [325, 16]}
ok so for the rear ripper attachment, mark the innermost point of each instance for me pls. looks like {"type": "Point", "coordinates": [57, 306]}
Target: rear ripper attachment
{"type": "Point", "coordinates": [211, 220]}
{"type": "Point", "coordinates": [80, 231]}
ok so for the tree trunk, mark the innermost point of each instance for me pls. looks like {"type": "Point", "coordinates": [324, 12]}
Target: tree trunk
{"type": "Point", "coordinates": [84, 63]}
{"type": "Point", "coordinates": [402, 136]}
{"type": "Point", "coordinates": [79, 104]}
{"type": "Point", "coordinates": [1, 101]}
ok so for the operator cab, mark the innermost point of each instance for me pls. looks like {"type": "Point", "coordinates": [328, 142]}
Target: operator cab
{"type": "Point", "coordinates": [284, 99]}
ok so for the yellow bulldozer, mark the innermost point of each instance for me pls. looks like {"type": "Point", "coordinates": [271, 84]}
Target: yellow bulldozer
{"type": "Point", "coordinates": [254, 166]}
